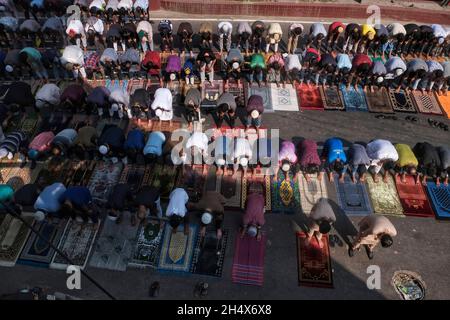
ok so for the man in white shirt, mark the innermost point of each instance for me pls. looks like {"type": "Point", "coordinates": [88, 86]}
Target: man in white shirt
{"type": "Point", "coordinates": [73, 60]}
{"type": "Point", "coordinates": [120, 103]}
{"type": "Point", "coordinates": [176, 210]}
{"type": "Point", "coordinates": [197, 145]}
{"type": "Point", "coordinates": [75, 31]}
{"type": "Point", "coordinates": [162, 105]}
{"type": "Point", "coordinates": [383, 155]}
{"type": "Point", "coordinates": [225, 30]}
{"type": "Point", "coordinates": [242, 154]}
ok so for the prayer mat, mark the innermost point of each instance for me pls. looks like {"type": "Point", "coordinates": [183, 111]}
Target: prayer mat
{"type": "Point", "coordinates": [144, 125]}
{"type": "Point", "coordinates": [285, 195]}
{"type": "Point", "coordinates": [134, 84]}
{"type": "Point", "coordinates": [314, 263]}
{"type": "Point", "coordinates": [353, 100]}
{"type": "Point", "coordinates": [55, 170]}
{"type": "Point", "coordinates": [237, 91]}
{"type": "Point", "coordinates": [284, 99]}
{"type": "Point", "coordinates": [209, 254]}
{"type": "Point", "coordinates": [121, 123]}
{"type": "Point", "coordinates": [193, 180]}
{"type": "Point", "coordinates": [177, 249]}
{"type": "Point", "coordinates": [148, 245]}
{"type": "Point", "coordinates": [331, 98]}
{"type": "Point", "coordinates": [135, 176]}
{"type": "Point", "coordinates": [36, 251]}
{"type": "Point", "coordinates": [13, 236]}
{"type": "Point", "coordinates": [211, 91]}
{"type": "Point", "coordinates": [76, 243]}
{"type": "Point", "coordinates": [312, 191]}
{"type": "Point", "coordinates": [114, 246]}
{"type": "Point", "coordinates": [413, 198]}
{"type": "Point", "coordinates": [264, 93]}
{"type": "Point", "coordinates": [352, 197]}
{"type": "Point", "coordinates": [309, 97]}
{"type": "Point", "coordinates": [80, 173]}
{"type": "Point", "coordinates": [117, 84]}
{"type": "Point", "coordinates": [444, 102]}
{"type": "Point", "coordinates": [166, 126]}
{"type": "Point", "coordinates": [262, 179]}
{"type": "Point", "coordinates": [401, 102]}
{"type": "Point", "coordinates": [77, 119]}
{"type": "Point", "coordinates": [384, 197]}
{"type": "Point", "coordinates": [29, 124]}
{"type": "Point", "coordinates": [176, 88]}
{"type": "Point", "coordinates": [426, 102]}
{"type": "Point", "coordinates": [248, 261]}
{"type": "Point", "coordinates": [440, 200]}
{"type": "Point", "coordinates": [378, 101]}
{"type": "Point", "coordinates": [103, 179]}
{"type": "Point", "coordinates": [163, 177]}
{"type": "Point", "coordinates": [230, 187]}
{"type": "Point", "coordinates": [18, 177]}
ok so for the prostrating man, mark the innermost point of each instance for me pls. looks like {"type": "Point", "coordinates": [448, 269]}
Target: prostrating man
{"type": "Point", "coordinates": [192, 103]}
{"type": "Point", "coordinates": [63, 142]}
{"type": "Point", "coordinates": [39, 147]}
{"type": "Point", "coordinates": [77, 202]}
{"type": "Point", "coordinates": [407, 162]}
{"type": "Point", "coordinates": [334, 158]}
{"type": "Point", "coordinates": [226, 108]}
{"type": "Point", "coordinates": [211, 206]}
{"type": "Point", "coordinates": [176, 210]}
{"type": "Point", "coordinates": [444, 152]}
{"type": "Point", "coordinates": [429, 161]}
{"type": "Point", "coordinates": [49, 201]}
{"type": "Point", "coordinates": [320, 220]}
{"type": "Point", "coordinates": [310, 162]}
{"type": "Point", "coordinates": [255, 109]}
{"type": "Point", "coordinates": [358, 161]}
{"type": "Point", "coordinates": [253, 219]}
{"type": "Point", "coordinates": [111, 143]}
{"type": "Point", "coordinates": [154, 147]}
{"type": "Point", "coordinates": [383, 155]}
{"type": "Point", "coordinates": [287, 161]}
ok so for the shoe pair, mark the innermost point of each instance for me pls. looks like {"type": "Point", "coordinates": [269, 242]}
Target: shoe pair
{"type": "Point", "coordinates": [201, 289]}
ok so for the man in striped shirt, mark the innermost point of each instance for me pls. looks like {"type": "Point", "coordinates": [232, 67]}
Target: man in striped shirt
{"type": "Point", "coordinates": [14, 142]}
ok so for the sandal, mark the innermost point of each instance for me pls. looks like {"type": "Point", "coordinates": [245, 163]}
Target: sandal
{"type": "Point", "coordinates": [204, 290]}
{"type": "Point", "coordinates": [198, 289]}
{"type": "Point", "coordinates": [154, 289]}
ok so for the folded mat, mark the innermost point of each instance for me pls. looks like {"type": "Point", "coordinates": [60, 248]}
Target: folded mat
{"type": "Point", "coordinates": [76, 243]}
{"type": "Point", "coordinates": [37, 252]}
{"type": "Point", "coordinates": [440, 200]}
{"type": "Point", "coordinates": [248, 261]}
{"type": "Point", "coordinates": [209, 253]}
{"type": "Point", "coordinates": [177, 249]}
{"type": "Point", "coordinates": [352, 197]}
{"type": "Point", "coordinates": [354, 100]}
{"type": "Point", "coordinates": [384, 197]}
{"type": "Point", "coordinates": [426, 102]}
{"type": "Point", "coordinates": [13, 236]}
{"type": "Point", "coordinates": [285, 195]}
{"type": "Point", "coordinates": [401, 101]}
{"type": "Point", "coordinates": [147, 245]}
{"type": "Point", "coordinates": [378, 101]}
{"type": "Point", "coordinates": [264, 93]}
{"type": "Point", "coordinates": [413, 198]}
{"type": "Point", "coordinates": [331, 98]}
{"type": "Point", "coordinates": [309, 97]}
{"type": "Point", "coordinates": [114, 245]}
{"type": "Point", "coordinates": [284, 99]}
{"type": "Point", "coordinates": [314, 263]}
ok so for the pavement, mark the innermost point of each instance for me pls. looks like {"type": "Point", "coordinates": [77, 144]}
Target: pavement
{"type": "Point", "coordinates": [421, 246]}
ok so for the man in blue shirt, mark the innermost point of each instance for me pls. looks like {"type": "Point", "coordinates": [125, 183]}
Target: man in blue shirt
{"type": "Point", "coordinates": [134, 144]}
{"type": "Point", "coordinates": [77, 201]}
{"type": "Point", "coordinates": [153, 147]}
{"type": "Point", "coordinates": [334, 158]}
{"type": "Point", "coordinates": [49, 201]}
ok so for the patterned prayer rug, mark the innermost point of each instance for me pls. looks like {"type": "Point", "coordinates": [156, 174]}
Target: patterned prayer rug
{"type": "Point", "coordinates": [314, 263]}
{"type": "Point", "coordinates": [193, 180]}
{"type": "Point", "coordinates": [426, 103]}
{"type": "Point", "coordinates": [36, 251]}
{"type": "Point", "coordinates": [309, 97]}
{"type": "Point", "coordinates": [117, 84]}
{"type": "Point", "coordinates": [80, 173]}
{"type": "Point", "coordinates": [285, 195]}
{"type": "Point", "coordinates": [352, 197]}
{"type": "Point", "coordinates": [401, 101]}
{"type": "Point", "coordinates": [384, 197]}
{"type": "Point", "coordinates": [163, 177]}
{"type": "Point", "coordinates": [413, 198]}
{"type": "Point", "coordinates": [440, 200]}
{"type": "Point", "coordinates": [115, 244]}
{"type": "Point", "coordinates": [147, 245]}
{"type": "Point", "coordinates": [104, 177]}
{"type": "Point", "coordinates": [312, 191]}
{"type": "Point", "coordinates": [353, 100]}
{"type": "Point", "coordinates": [248, 261]}
{"type": "Point", "coordinates": [378, 101]}
{"type": "Point", "coordinates": [229, 186]}
{"type": "Point", "coordinates": [13, 236]}
{"type": "Point", "coordinates": [55, 171]}
{"type": "Point", "coordinates": [18, 177]}
{"type": "Point", "coordinates": [237, 92]}
{"type": "Point", "coordinates": [177, 249]}
{"type": "Point", "coordinates": [209, 254]}
{"type": "Point", "coordinates": [331, 98]}
{"type": "Point", "coordinates": [135, 176]}
{"type": "Point", "coordinates": [136, 84]}
{"type": "Point", "coordinates": [444, 102]}
{"type": "Point", "coordinates": [263, 92]}
{"type": "Point", "coordinates": [77, 119]}
{"type": "Point", "coordinates": [29, 124]}
{"type": "Point", "coordinates": [76, 243]}
{"type": "Point", "coordinates": [262, 179]}
{"type": "Point", "coordinates": [284, 99]}
{"type": "Point", "coordinates": [211, 91]}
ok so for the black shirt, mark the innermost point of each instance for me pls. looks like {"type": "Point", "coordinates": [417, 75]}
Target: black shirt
{"type": "Point", "coordinates": [147, 196]}
{"type": "Point", "coordinates": [119, 196]}
{"type": "Point", "coordinates": [20, 93]}
{"type": "Point", "coordinates": [27, 195]}
{"type": "Point", "coordinates": [113, 136]}
{"type": "Point", "coordinates": [427, 155]}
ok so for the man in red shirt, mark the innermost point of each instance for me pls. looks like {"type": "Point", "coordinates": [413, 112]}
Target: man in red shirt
{"type": "Point", "coordinates": [39, 146]}
{"type": "Point", "coordinates": [334, 31]}
{"type": "Point", "coordinates": [253, 219]}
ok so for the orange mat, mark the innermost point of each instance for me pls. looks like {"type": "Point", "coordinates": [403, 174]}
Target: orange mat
{"type": "Point", "coordinates": [444, 102]}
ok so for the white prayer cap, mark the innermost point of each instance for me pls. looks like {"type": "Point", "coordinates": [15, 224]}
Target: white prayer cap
{"type": "Point", "coordinates": [103, 149]}
{"type": "Point", "coordinates": [39, 215]}
{"type": "Point", "coordinates": [206, 218]}
{"type": "Point", "coordinates": [252, 231]}
{"type": "Point", "coordinates": [9, 68]}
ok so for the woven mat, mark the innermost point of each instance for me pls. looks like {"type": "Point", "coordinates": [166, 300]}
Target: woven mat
{"type": "Point", "coordinates": [211, 91]}
{"type": "Point", "coordinates": [104, 177]}
{"type": "Point", "coordinates": [413, 197]}
{"type": "Point", "coordinates": [285, 195]}
{"type": "Point", "coordinates": [117, 84]}
{"type": "Point", "coordinates": [193, 180]}
{"type": "Point", "coordinates": [163, 177]}
{"type": "Point", "coordinates": [263, 92]}
{"type": "Point", "coordinates": [148, 245]}
{"type": "Point", "coordinates": [135, 176]}
{"type": "Point", "coordinates": [401, 102]}
{"type": "Point", "coordinates": [378, 101]}
{"type": "Point", "coordinates": [426, 103]}
{"type": "Point", "coordinates": [78, 118]}
{"type": "Point", "coordinates": [248, 260]}
{"type": "Point", "coordinates": [237, 92]}
{"type": "Point", "coordinates": [354, 100]}
{"type": "Point", "coordinates": [440, 200]}
{"type": "Point", "coordinates": [384, 197]}
{"type": "Point", "coordinates": [18, 177]}
{"type": "Point", "coordinates": [13, 236]}
{"type": "Point", "coordinates": [229, 186]}
{"type": "Point", "coordinates": [79, 173]}
{"type": "Point", "coordinates": [331, 98]}
{"type": "Point", "coordinates": [309, 97]}
{"type": "Point", "coordinates": [312, 191]}
{"type": "Point", "coordinates": [136, 84]}
{"type": "Point", "coordinates": [265, 181]}
{"type": "Point", "coordinates": [352, 197]}
{"type": "Point", "coordinates": [444, 102]}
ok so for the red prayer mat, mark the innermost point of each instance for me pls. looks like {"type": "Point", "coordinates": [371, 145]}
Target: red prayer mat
{"type": "Point", "coordinates": [248, 261]}
{"type": "Point", "coordinates": [413, 198]}
{"type": "Point", "coordinates": [309, 97]}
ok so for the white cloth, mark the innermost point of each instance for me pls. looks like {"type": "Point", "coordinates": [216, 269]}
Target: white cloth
{"type": "Point", "coordinates": [381, 150]}
{"type": "Point", "coordinates": [395, 29]}
{"type": "Point", "coordinates": [292, 61]}
{"type": "Point", "coordinates": [76, 26]}
{"type": "Point", "coordinates": [97, 4]}
{"type": "Point", "coordinates": [72, 54]}
{"type": "Point", "coordinates": [163, 100]}
{"type": "Point", "coordinates": [225, 27]}
{"type": "Point", "coordinates": [243, 26]}
{"type": "Point", "coordinates": [98, 26]}
{"type": "Point", "coordinates": [146, 27]}
{"type": "Point", "coordinates": [177, 203]}
{"type": "Point", "coordinates": [120, 96]}
{"type": "Point", "coordinates": [198, 139]}
{"type": "Point", "coordinates": [112, 4]}
{"type": "Point", "coordinates": [49, 93]}
{"type": "Point", "coordinates": [126, 4]}
{"type": "Point", "coordinates": [242, 148]}
{"type": "Point", "coordinates": [275, 28]}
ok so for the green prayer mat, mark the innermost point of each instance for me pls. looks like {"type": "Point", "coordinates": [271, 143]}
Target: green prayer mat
{"type": "Point", "coordinates": [384, 197]}
{"type": "Point", "coordinates": [285, 195]}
